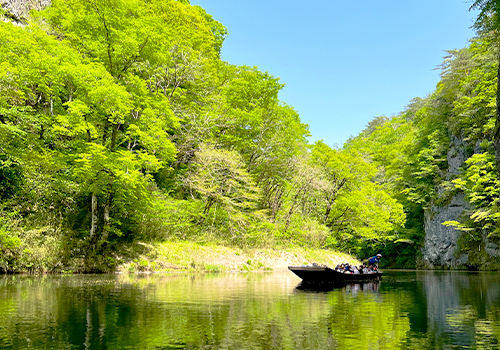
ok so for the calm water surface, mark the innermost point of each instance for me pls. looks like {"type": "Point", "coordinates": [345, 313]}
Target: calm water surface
{"type": "Point", "coordinates": [406, 310]}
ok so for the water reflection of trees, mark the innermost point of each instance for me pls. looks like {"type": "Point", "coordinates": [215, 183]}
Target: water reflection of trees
{"type": "Point", "coordinates": [257, 311]}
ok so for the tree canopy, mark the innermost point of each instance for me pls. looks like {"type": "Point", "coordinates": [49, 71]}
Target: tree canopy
{"type": "Point", "coordinates": [120, 123]}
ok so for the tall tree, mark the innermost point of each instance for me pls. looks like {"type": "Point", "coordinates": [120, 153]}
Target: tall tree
{"type": "Point", "coordinates": [147, 50]}
{"type": "Point", "coordinates": [488, 23]}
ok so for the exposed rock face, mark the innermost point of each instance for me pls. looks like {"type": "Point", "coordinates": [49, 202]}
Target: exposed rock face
{"type": "Point", "coordinates": [440, 241]}
{"type": "Point", "coordinates": [18, 10]}
{"type": "Point", "coordinates": [491, 248]}
{"type": "Point", "coordinates": [457, 155]}
{"type": "Point", "coordinates": [440, 244]}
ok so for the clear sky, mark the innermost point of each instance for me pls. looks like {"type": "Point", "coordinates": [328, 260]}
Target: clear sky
{"type": "Point", "coordinates": [344, 62]}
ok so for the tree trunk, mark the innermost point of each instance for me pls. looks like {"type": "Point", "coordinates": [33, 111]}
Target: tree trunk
{"type": "Point", "coordinates": [303, 190]}
{"type": "Point", "coordinates": [276, 203]}
{"type": "Point", "coordinates": [496, 137]}
{"type": "Point", "coordinates": [107, 207]}
{"type": "Point", "coordinates": [93, 224]}
{"type": "Point", "coordinates": [327, 211]}
{"type": "Point", "coordinates": [109, 201]}
{"type": "Point", "coordinates": [105, 231]}
{"type": "Point", "coordinates": [208, 205]}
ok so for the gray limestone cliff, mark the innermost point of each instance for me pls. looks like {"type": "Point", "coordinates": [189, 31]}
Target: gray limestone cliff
{"type": "Point", "coordinates": [440, 244]}
{"type": "Point", "coordinates": [18, 10]}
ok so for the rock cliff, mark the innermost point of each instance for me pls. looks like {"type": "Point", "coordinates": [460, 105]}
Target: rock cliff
{"type": "Point", "coordinates": [440, 244]}
{"type": "Point", "coordinates": [18, 10]}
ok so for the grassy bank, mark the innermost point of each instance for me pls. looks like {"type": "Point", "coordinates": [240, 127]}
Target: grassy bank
{"type": "Point", "coordinates": [47, 251]}
{"type": "Point", "coordinates": [189, 256]}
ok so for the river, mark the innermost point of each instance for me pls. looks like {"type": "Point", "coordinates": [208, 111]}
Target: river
{"type": "Point", "coordinates": [258, 310]}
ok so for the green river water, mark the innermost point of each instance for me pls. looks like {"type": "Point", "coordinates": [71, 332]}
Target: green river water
{"type": "Point", "coordinates": [406, 310]}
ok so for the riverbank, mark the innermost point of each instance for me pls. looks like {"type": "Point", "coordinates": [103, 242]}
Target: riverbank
{"type": "Point", "coordinates": [189, 256]}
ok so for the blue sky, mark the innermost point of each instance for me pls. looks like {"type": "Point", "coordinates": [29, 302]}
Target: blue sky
{"type": "Point", "coordinates": [344, 62]}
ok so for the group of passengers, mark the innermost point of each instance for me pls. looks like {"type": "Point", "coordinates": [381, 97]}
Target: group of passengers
{"type": "Point", "coordinates": [371, 267]}
{"type": "Point", "coordinates": [356, 270]}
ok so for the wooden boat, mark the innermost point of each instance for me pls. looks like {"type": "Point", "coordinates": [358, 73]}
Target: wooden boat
{"type": "Point", "coordinates": [325, 275]}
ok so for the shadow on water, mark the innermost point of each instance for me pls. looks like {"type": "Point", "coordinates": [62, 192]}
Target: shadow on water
{"type": "Point", "coordinates": [372, 286]}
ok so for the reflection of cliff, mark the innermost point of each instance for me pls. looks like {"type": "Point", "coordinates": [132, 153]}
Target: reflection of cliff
{"type": "Point", "coordinates": [456, 301]}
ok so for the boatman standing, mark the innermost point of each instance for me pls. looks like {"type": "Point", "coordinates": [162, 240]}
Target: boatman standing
{"type": "Point", "coordinates": [374, 260]}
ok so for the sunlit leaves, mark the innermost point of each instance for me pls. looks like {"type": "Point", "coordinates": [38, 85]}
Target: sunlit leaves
{"type": "Point", "coordinates": [126, 102]}
{"type": "Point", "coordinates": [355, 205]}
{"type": "Point", "coordinates": [480, 184]}
{"type": "Point", "coordinates": [219, 178]}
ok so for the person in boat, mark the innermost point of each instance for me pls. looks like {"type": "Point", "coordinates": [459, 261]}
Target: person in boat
{"type": "Point", "coordinates": [374, 260]}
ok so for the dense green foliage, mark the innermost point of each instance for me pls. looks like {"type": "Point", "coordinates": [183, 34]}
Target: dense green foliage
{"type": "Point", "coordinates": [487, 25]}
{"type": "Point", "coordinates": [415, 151]}
{"type": "Point", "coordinates": [119, 124]}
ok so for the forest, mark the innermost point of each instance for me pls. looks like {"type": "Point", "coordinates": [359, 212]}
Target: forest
{"type": "Point", "coordinates": [120, 124]}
